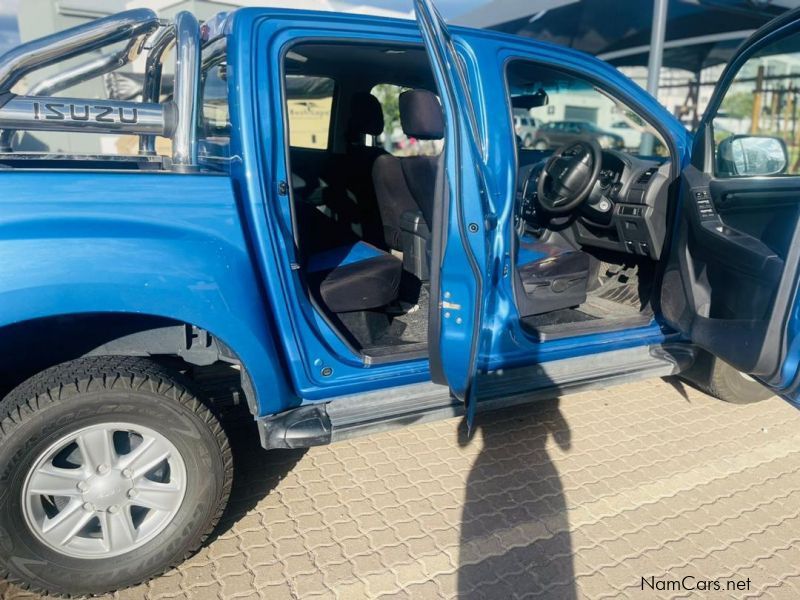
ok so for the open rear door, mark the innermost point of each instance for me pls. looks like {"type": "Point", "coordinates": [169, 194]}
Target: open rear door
{"type": "Point", "coordinates": [732, 281]}
{"type": "Point", "coordinates": [460, 221]}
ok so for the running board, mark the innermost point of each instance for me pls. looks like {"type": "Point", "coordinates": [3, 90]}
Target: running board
{"type": "Point", "coordinates": [382, 410]}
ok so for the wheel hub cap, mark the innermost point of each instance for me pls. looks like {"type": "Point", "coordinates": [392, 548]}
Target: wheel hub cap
{"type": "Point", "coordinates": [104, 490]}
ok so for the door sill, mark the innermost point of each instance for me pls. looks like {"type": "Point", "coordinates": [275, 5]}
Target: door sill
{"type": "Point", "coordinates": [596, 315]}
{"type": "Point", "coordinates": [389, 354]}
{"type": "Point", "coordinates": [393, 408]}
{"type": "Point", "coordinates": [559, 331]}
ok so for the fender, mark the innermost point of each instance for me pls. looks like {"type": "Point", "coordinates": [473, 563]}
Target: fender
{"type": "Point", "coordinates": [167, 245]}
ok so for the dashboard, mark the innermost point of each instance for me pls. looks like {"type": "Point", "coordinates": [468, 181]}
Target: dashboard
{"type": "Point", "coordinates": [625, 211]}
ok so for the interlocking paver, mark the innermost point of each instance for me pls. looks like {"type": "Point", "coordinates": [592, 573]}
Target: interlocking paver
{"type": "Point", "coordinates": [573, 498]}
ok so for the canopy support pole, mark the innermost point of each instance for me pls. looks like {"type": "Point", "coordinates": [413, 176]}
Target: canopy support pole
{"type": "Point", "coordinates": [657, 35]}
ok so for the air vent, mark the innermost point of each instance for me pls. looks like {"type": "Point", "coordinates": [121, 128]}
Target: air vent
{"type": "Point", "coordinates": [645, 177]}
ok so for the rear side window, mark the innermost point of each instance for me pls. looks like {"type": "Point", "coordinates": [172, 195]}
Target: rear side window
{"type": "Point", "coordinates": [309, 103]}
{"type": "Point", "coordinates": [216, 121]}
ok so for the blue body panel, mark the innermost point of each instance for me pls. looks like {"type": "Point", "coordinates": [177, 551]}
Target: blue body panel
{"type": "Point", "coordinates": [212, 250]}
{"type": "Point", "coordinates": [156, 244]}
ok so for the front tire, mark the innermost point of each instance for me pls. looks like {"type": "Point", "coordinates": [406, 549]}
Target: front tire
{"type": "Point", "coordinates": [717, 378]}
{"type": "Point", "coordinates": [112, 472]}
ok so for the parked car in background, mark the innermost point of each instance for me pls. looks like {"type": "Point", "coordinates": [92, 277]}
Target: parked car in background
{"type": "Point", "coordinates": [557, 133]}
{"type": "Point", "coordinates": [524, 127]}
{"type": "Point", "coordinates": [631, 136]}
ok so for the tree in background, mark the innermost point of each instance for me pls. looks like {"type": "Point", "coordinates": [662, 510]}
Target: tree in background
{"type": "Point", "coordinates": [738, 105]}
{"type": "Point", "coordinates": [389, 95]}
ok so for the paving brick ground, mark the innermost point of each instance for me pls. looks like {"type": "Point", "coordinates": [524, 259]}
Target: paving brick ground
{"type": "Point", "coordinates": [570, 498]}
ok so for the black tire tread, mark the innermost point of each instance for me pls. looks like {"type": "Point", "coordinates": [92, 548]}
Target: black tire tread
{"type": "Point", "coordinates": [59, 383]}
{"type": "Point", "coordinates": [717, 385]}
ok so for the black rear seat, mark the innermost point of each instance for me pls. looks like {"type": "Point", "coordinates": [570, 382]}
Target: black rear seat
{"type": "Point", "coordinates": [346, 272]}
{"type": "Point", "coordinates": [355, 277]}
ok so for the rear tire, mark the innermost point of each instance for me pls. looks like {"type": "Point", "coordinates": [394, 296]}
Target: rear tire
{"type": "Point", "coordinates": [116, 418]}
{"type": "Point", "coordinates": [717, 378]}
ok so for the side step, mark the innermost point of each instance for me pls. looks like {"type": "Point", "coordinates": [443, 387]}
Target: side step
{"type": "Point", "coordinates": [373, 412]}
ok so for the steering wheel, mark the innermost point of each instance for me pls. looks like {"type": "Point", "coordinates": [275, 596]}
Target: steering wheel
{"type": "Point", "coordinates": [569, 176]}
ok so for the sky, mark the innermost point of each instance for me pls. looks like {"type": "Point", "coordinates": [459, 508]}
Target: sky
{"type": "Point", "coordinates": [8, 24]}
{"type": "Point", "coordinates": [449, 8]}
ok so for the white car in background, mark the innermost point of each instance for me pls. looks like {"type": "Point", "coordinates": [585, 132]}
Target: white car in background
{"type": "Point", "coordinates": [631, 136]}
{"type": "Point", "coordinates": [525, 127]}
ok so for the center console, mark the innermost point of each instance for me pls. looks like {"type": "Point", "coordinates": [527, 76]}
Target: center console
{"type": "Point", "coordinates": [638, 217]}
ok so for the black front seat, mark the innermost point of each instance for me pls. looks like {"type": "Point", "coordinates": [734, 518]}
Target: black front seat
{"type": "Point", "coordinates": [407, 184]}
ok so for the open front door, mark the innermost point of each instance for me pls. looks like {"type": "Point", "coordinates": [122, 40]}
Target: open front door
{"type": "Point", "coordinates": [732, 281]}
{"type": "Point", "coordinates": [460, 221]}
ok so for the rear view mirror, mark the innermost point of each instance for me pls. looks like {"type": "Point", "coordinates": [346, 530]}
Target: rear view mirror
{"type": "Point", "coordinates": [528, 101]}
{"type": "Point", "coordinates": [749, 155]}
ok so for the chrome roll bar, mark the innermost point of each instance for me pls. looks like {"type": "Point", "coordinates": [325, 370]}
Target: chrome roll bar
{"type": "Point", "coordinates": [60, 46]}
{"type": "Point", "coordinates": [158, 45]}
{"type": "Point", "coordinates": [176, 119]}
{"type": "Point", "coordinates": [89, 116]}
{"type": "Point", "coordinates": [65, 79]}
{"type": "Point", "coordinates": [186, 96]}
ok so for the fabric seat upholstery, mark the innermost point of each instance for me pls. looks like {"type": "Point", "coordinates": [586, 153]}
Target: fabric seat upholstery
{"type": "Point", "coordinates": [408, 183]}
{"type": "Point", "coordinates": [366, 119]}
{"type": "Point", "coordinates": [354, 277]}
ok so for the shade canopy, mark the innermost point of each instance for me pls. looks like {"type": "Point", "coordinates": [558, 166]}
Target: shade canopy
{"type": "Point", "coordinates": [699, 33]}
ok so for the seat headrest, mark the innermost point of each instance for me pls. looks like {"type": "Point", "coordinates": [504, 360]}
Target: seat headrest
{"type": "Point", "coordinates": [366, 115]}
{"type": "Point", "coordinates": [421, 115]}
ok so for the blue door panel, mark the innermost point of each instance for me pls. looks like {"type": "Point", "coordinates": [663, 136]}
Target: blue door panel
{"type": "Point", "coordinates": [757, 338]}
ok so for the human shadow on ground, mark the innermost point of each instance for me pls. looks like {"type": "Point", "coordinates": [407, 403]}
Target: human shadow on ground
{"type": "Point", "coordinates": [515, 538]}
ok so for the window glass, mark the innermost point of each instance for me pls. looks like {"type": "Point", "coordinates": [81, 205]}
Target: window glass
{"type": "Point", "coordinates": [216, 123]}
{"type": "Point", "coordinates": [756, 130]}
{"type": "Point", "coordinates": [565, 107]}
{"type": "Point", "coordinates": [393, 139]}
{"type": "Point", "coordinates": [309, 102]}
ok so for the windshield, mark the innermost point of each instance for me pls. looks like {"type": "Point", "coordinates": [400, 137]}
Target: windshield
{"type": "Point", "coordinates": [562, 103]}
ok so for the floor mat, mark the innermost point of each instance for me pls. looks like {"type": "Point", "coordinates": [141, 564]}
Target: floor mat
{"type": "Point", "coordinates": [621, 285]}
{"type": "Point", "coordinates": [410, 323]}
{"type": "Point", "coordinates": [593, 316]}
{"type": "Point", "coordinates": [408, 330]}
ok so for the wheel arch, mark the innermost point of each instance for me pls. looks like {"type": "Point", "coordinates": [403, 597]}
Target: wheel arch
{"type": "Point", "coordinates": [30, 346]}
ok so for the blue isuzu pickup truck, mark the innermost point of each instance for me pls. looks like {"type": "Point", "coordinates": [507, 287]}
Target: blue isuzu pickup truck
{"type": "Point", "coordinates": [336, 210]}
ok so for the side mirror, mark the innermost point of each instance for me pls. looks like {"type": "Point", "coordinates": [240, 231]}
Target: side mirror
{"type": "Point", "coordinates": [749, 155]}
